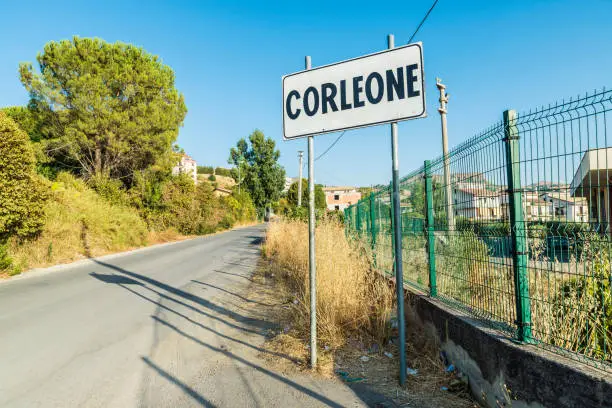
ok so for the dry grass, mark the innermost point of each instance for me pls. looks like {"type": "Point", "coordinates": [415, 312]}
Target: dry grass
{"type": "Point", "coordinates": [570, 301]}
{"type": "Point", "coordinates": [351, 301]}
{"type": "Point", "coordinates": [355, 307]}
{"type": "Point", "coordinates": [79, 224]}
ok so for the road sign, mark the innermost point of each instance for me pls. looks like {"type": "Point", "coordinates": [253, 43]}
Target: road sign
{"type": "Point", "coordinates": [379, 88]}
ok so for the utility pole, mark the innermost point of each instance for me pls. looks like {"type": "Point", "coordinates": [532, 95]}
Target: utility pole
{"type": "Point", "coordinates": [311, 247]}
{"type": "Point", "coordinates": [300, 155]}
{"type": "Point", "coordinates": [450, 213]}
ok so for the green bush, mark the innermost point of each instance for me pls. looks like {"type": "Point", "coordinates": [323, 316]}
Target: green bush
{"type": "Point", "coordinates": [212, 177]}
{"type": "Point", "coordinates": [240, 206]}
{"type": "Point", "coordinates": [111, 190]}
{"type": "Point", "coordinates": [5, 260]}
{"type": "Point", "coordinates": [183, 206]}
{"type": "Point", "coordinates": [22, 192]}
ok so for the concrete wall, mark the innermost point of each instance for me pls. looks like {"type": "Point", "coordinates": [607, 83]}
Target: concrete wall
{"type": "Point", "coordinates": [504, 374]}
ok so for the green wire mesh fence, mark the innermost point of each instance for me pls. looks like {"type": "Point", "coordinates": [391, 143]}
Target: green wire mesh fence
{"type": "Point", "coordinates": [513, 226]}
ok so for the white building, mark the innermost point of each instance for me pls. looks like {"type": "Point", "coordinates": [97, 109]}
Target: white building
{"type": "Point", "coordinates": [187, 166]}
{"type": "Point", "coordinates": [535, 208]}
{"type": "Point", "coordinates": [477, 203]}
{"type": "Point", "coordinates": [288, 182]}
{"type": "Point", "coordinates": [567, 208]}
{"type": "Point", "coordinates": [593, 181]}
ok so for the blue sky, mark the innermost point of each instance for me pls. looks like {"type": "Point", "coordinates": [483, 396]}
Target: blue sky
{"type": "Point", "coordinates": [229, 57]}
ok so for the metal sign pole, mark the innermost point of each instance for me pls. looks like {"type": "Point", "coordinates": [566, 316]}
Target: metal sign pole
{"type": "Point", "coordinates": [397, 231]}
{"type": "Point", "coordinates": [311, 247]}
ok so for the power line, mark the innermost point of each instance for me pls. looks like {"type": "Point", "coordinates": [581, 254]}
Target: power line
{"type": "Point", "coordinates": [409, 41]}
{"type": "Point", "coordinates": [330, 146]}
{"type": "Point", "coordinates": [423, 21]}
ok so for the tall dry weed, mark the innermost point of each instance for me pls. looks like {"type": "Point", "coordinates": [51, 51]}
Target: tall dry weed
{"type": "Point", "coordinates": [351, 300]}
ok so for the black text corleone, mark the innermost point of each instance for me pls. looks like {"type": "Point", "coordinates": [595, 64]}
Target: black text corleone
{"type": "Point", "coordinates": [391, 85]}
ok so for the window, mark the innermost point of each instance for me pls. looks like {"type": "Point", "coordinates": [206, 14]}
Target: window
{"type": "Point", "coordinates": [337, 208]}
{"type": "Point", "coordinates": [336, 197]}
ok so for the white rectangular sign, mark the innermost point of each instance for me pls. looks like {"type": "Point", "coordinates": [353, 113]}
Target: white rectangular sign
{"type": "Point", "coordinates": [384, 87]}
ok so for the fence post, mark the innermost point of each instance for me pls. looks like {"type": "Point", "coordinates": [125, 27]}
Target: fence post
{"type": "Point", "coordinates": [346, 221]}
{"type": "Point", "coordinates": [373, 228]}
{"type": "Point", "coordinates": [517, 227]}
{"type": "Point", "coordinates": [433, 287]}
{"type": "Point", "coordinates": [358, 218]}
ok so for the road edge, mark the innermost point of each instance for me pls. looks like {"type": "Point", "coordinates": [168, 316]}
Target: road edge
{"type": "Point", "coordinates": [34, 272]}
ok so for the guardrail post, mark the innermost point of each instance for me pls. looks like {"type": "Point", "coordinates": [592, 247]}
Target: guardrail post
{"type": "Point", "coordinates": [517, 227]}
{"type": "Point", "coordinates": [433, 287]}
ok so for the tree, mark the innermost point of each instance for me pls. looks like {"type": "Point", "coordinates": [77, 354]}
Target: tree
{"type": "Point", "coordinates": [22, 192]}
{"type": "Point", "coordinates": [205, 170]}
{"type": "Point", "coordinates": [264, 177]}
{"type": "Point", "coordinates": [292, 194]}
{"type": "Point", "coordinates": [106, 109]}
{"type": "Point", "coordinates": [25, 119]}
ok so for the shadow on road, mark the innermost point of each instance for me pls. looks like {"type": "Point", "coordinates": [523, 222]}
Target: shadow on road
{"type": "Point", "coordinates": [231, 293]}
{"type": "Point", "coordinates": [164, 296]}
{"type": "Point", "coordinates": [187, 389]}
{"type": "Point", "coordinates": [322, 398]}
{"type": "Point", "coordinates": [184, 295]}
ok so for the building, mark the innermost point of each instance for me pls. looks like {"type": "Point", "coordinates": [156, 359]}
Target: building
{"type": "Point", "coordinates": [592, 182]}
{"type": "Point", "coordinates": [288, 182]}
{"type": "Point", "coordinates": [477, 203]}
{"type": "Point", "coordinates": [567, 208]}
{"type": "Point", "coordinates": [535, 208]}
{"type": "Point", "coordinates": [186, 166]}
{"type": "Point", "coordinates": [339, 198]}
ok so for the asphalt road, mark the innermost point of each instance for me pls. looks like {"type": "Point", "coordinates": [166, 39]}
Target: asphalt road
{"type": "Point", "coordinates": [166, 326]}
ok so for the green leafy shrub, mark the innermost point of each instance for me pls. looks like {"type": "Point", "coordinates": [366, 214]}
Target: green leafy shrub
{"type": "Point", "coordinates": [22, 192]}
{"type": "Point", "coordinates": [5, 259]}
{"type": "Point", "coordinates": [110, 189]}
{"type": "Point", "coordinates": [212, 177]}
{"type": "Point", "coordinates": [183, 206]}
{"type": "Point", "coordinates": [240, 206]}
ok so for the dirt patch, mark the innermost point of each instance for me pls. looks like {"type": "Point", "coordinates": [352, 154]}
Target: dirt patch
{"type": "Point", "coordinates": [370, 369]}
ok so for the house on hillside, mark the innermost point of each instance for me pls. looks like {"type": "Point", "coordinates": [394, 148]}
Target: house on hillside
{"type": "Point", "coordinates": [592, 181]}
{"type": "Point", "coordinates": [339, 198]}
{"type": "Point", "coordinates": [477, 203]}
{"type": "Point", "coordinates": [188, 166]}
